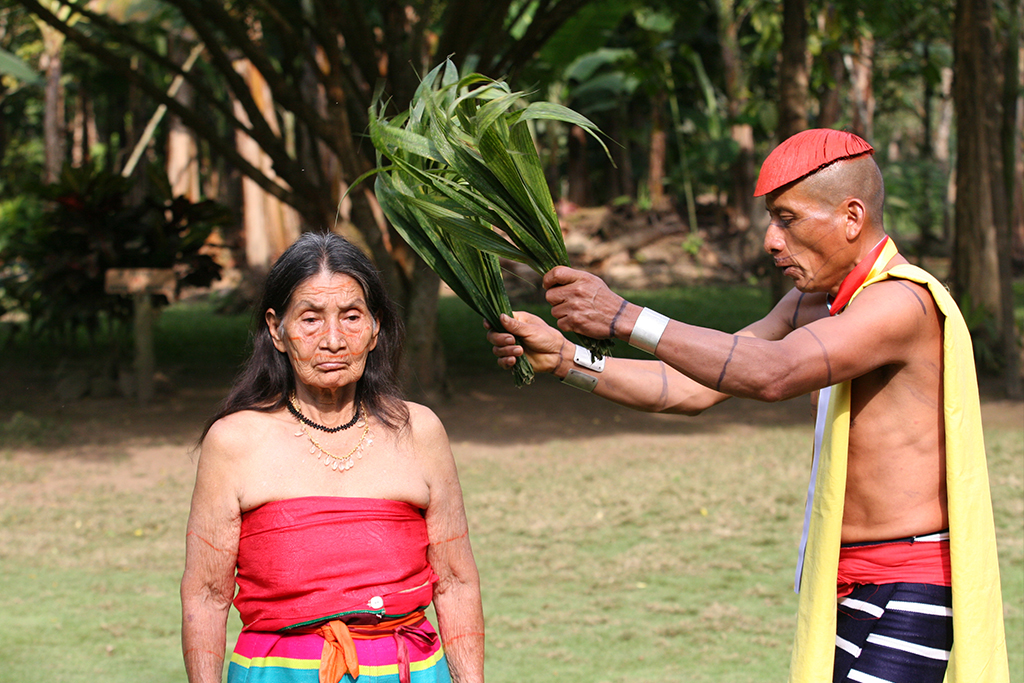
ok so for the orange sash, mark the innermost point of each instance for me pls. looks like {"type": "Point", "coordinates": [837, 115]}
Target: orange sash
{"type": "Point", "coordinates": [339, 654]}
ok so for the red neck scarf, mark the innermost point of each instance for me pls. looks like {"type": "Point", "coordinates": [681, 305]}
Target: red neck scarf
{"type": "Point", "coordinates": [871, 265]}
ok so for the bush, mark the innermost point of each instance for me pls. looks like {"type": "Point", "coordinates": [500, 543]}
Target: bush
{"type": "Point", "coordinates": [58, 241]}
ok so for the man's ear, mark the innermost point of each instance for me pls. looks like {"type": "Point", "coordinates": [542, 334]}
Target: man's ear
{"type": "Point", "coordinates": [275, 329]}
{"type": "Point", "coordinates": [856, 216]}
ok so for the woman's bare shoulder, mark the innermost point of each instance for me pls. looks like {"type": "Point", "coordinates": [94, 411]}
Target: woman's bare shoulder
{"type": "Point", "coordinates": [425, 428]}
{"type": "Point", "coordinates": [238, 432]}
{"type": "Point", "coordinates": [422, 417]}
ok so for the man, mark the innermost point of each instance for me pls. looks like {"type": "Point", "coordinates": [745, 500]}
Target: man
{"type": "Point", "coordinates": [899, 477]}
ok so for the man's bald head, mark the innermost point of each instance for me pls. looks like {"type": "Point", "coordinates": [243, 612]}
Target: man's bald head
{"type": "Point", "coordinates": [857, 178]}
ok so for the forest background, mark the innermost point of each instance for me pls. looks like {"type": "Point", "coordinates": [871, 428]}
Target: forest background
{"type": "Point", "coordinates": [204, 136]}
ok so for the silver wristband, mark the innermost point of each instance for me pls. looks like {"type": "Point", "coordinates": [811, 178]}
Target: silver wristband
{"type": "Point", "coordinates": [580, 380]}
{"type": "Point", "coordinates": [647, 330]}
{"type": "Point", "coordinates": [585, 358]}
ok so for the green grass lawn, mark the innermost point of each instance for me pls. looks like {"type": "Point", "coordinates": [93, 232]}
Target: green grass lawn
{"type": "Point", "coordinates": [641, 549]}
{"type": "Point", "coordinates": [622, 557]}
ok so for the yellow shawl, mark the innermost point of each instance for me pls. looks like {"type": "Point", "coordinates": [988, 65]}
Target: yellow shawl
{"type": "Point", "coordinates": [979, 641]}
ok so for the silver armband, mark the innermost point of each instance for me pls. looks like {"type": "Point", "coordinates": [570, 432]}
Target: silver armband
{"type": "Point", "coordinates": [647, 330]}
{"type": "Point", "coordinates": [580, 380]}
{"type": "Point", "coordinates": [585, 358]}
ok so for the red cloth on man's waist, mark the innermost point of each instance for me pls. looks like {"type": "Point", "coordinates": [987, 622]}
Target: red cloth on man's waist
{"type": "Point", "coordinates": [306, 560]}
{"type": "Point", "coordinates": [903, 561]}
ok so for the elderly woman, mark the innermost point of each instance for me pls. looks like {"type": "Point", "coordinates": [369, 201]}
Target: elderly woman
{"type": "Point", "coordinates": [332, 503]}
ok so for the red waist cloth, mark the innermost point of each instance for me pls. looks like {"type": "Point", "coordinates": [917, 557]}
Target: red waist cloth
{"type": "Point", "coordinates": [306, 560]}
{"type": "Point", "coordinates": [903, 561]}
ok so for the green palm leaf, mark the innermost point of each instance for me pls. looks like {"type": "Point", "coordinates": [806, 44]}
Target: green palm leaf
{"type": "Point", "coordinates": [459, 177]}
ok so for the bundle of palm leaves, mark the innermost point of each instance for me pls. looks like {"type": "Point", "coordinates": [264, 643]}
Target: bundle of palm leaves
{"type": "Point", "coordinates": [464, 186]}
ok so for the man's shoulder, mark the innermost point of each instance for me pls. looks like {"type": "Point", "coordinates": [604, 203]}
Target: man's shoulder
{"type": "Point", "coordinates": [899, 318]}
{"type": "Point", "coordinates": [897, 293]}
{"type": "Point", "coordinates": [915, 276]}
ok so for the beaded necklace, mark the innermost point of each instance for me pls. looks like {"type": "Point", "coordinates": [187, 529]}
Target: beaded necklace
{"type": "Point", "coordinates": [335, 462]}
{"type": "Point", "coordinates": [294, 410]}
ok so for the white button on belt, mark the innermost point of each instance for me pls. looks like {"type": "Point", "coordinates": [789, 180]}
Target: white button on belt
{"type": "Point", "coordinates": [376, 602]}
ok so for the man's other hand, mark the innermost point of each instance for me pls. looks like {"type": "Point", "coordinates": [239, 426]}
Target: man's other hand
{"type": "Point", "coordinates": [541, 343]}
{"type": "Point", "coordinates": [581, 302]}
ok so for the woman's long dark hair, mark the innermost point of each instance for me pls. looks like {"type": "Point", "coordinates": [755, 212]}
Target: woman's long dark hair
{"type": "Point", "coordinates": [267, 379]}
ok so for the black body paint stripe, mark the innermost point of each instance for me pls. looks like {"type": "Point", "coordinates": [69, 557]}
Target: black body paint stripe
{"type": "Point", "coordinates": [721, 377]}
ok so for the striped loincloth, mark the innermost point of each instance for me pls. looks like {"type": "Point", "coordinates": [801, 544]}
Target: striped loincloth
{"type": "Point", "coordinates": [894, 633]}
{"type": "Point", "coordinates": [895, 617]}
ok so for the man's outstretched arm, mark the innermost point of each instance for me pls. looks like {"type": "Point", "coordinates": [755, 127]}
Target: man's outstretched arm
{"type": "Point", "coordinates": [792, 351]}
{"type": "Point", "coordinates": [647, 385]}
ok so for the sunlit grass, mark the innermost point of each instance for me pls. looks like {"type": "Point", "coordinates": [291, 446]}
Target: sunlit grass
{"type": "Point", "coordinates": [604, 556]}
{"type": "Point", "coordinates": [625, 557]}
{"type": "Point", "coordinates": [633, 558]}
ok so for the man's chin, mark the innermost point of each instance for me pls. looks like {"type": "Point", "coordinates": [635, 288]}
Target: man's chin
{"type": "Point", "coordinates": [794, 275]}
{"type": "Point", "coordinates": [801, 284]}
{"type": "Point", "coordinates": [808, 287]}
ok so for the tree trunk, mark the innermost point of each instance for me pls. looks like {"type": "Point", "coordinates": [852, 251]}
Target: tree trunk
{"type": "Point", "coordinates": [976, 264]}
{"type": "Point", "coordinates": [793, 86]}
{"type": "Point", "coordinates": [943, 133]}
{"type": "Point", "coordinates": [829, 108]}
{"type": "Point", "coordinates": [741, 204]}
{"type": "Point", "coordinates": [53, 107]}
{"type": "Point", "coordinates": [1016, 181]}
{"type": "Point", "coordinates": [182, 146]}
{"type": "Point", "coordinates": [793, 77]}
{"type": "Point", "coordinates": [656, 157]}
{"type": "Point", "coordinates": [860, 65]}
{"type": "Point", "coordinates": [182, 161]}
{"type": "Point", "coordinates": [83, 131]}
{"type": "Point", "coordinates": [927, 240]}
{"type": "Point", "coordinates": [423, 361]}
{"type": "Point", "coordinates": [1010, 144]}
{"type": "Point", "coordinates": [1013, 132]}
{"type": "Point", "coordinates": [270, 226]}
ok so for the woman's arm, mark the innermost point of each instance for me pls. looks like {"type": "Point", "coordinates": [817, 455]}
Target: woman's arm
{"type": "Point", "coordinates": [457, 593]}
{"type": "Point", "coordinates": [211, 548]}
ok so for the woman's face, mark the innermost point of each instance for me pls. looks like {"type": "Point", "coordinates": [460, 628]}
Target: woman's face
{"type": "Point", "coordinates": [327, 331]}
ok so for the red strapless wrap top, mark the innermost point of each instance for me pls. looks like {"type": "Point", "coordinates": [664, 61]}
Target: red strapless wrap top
{"type": "Point", "coordinates": [306, 560]}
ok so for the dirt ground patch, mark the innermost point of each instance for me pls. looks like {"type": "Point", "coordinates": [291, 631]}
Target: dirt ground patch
{"type": "Point", "coordinates": [118, 443]}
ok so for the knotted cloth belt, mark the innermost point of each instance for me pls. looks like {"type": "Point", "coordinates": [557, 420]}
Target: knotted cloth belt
{"type": "Point", "coordinates": [339, 653]}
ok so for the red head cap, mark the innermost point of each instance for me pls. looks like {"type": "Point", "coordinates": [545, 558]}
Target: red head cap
{"type": "Point", "coordinates": [805, 153]}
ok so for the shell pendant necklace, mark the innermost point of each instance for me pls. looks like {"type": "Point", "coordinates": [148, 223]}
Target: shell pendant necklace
{"type": "Point", "coordinates": [329, 459]}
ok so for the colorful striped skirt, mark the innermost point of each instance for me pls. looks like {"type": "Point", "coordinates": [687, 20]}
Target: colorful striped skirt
{"type": "Point", "coordinates": [262, 657]}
